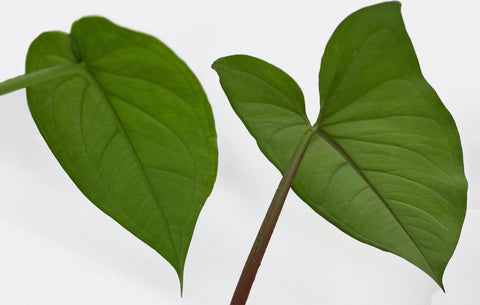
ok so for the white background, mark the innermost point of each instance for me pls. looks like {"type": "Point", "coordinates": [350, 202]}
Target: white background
{"type": "Point", "coordinates": [58, 248]}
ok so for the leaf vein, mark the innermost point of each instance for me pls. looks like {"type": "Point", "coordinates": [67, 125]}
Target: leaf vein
{"type": "Point", "coordinates": [358, 170]}
{"type": "Point", "coordinates": [393, 145]}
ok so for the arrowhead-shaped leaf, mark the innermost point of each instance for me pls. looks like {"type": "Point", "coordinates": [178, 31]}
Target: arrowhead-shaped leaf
{"type": "Point", "coordinates": [385, 164]}
{"type": "Point", "coordinates": [132, 127]}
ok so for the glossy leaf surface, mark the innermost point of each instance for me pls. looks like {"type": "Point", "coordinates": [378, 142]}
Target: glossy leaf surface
{"type": "Point", "coordinates": [385, 164]}
{"type": "Point", "coordinates": [132, 128]}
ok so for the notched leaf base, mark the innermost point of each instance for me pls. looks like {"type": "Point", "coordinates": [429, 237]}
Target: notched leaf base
{"type": "Point", "coordinates": [386, 164]}
{"type": "Point", "coordinates": [132, 128]}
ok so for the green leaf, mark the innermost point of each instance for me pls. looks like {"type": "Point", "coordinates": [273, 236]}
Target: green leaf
{"type": "Point", "coordinates": [131, 126]}
{"type": "Point", "coordinates": [385, 164]}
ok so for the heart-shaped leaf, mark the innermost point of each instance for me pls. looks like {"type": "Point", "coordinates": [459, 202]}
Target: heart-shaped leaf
{"type": "Point", "coordinates": [385, 163]}
{"type": "Point", "coordinates": [131, 126]}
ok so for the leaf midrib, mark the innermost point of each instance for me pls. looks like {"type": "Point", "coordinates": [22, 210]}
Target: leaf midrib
{"type": "Point", "coordinates": [94, 82]}
{"type": "Point", "coordinates": [359, 172]}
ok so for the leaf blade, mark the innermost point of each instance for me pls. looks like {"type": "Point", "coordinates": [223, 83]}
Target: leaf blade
{"type": "Point", "coordinates": [269, 103]}
{"type": "Point", "coordinates": [386, 165]}
{"type": "Point", "coordinates": [390, 95]}
{"type": "Point", "coordinates": [144, 153]}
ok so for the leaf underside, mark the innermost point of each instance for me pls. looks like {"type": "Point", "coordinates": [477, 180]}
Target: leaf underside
{"type": "Point", "coordinates": [133, 129]}
{"type": "Point", "coordinates": [385, 165]}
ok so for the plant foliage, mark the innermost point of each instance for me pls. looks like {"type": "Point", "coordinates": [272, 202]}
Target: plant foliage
{"type": "Point", "coordinates": [130, 124]}
{"type": "Point", "coordinates": [385, 162]}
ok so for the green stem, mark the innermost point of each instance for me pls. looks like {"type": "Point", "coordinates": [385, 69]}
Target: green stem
{"type": "Point", "coordinates": [30, 79]}
{"type": "Point", "coordinates": [263, 237]}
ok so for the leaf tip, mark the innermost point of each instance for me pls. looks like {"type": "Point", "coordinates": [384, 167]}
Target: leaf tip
{"type": "Point", "coordinates": [217, 63]}
{"type": "Point", "coordinates": [443, 288]}
{"type": "Point", "coordinates": [181, 287]}
{"type": "Point", "coordinates": [180, 279]}
{"type": "Point", "coordinates": [440, 282]}
{"type": "Point", "coordinates": [393, 5]}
